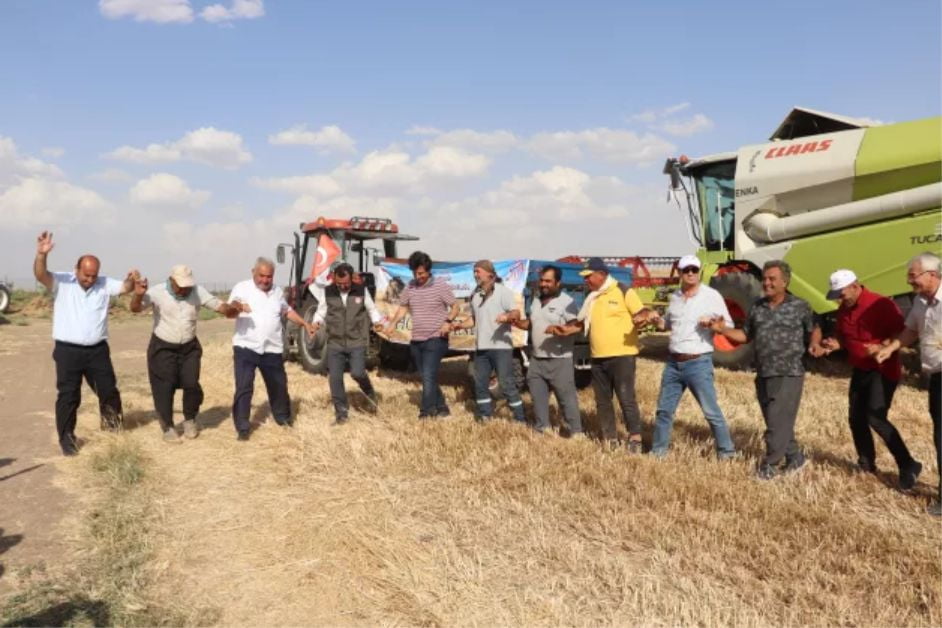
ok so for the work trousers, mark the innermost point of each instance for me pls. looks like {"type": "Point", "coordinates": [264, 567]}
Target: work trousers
{"type": "Point", "coordinates": [427, 355]}
{"type": "Point", "coordinates": [93, 364]}
{"type": "Point", "coordinates": [171, 366]}
{"type": "Point", "coordinates": [556, 374]}
{"type": "Point", "coordinates": [616, 374]}
{"type": "Point", "coordinates": [870, 396]}
{"type": "Point", "coordinates": [935, 411]}
{"type": "Point", "coordinates": [338, 359]}
{"type": "Point", "coordinates": [272, 367]}
{"type": "Point", "coordinates": [485, 362]}
{"type": "Point", "coordinates": [779, 398]}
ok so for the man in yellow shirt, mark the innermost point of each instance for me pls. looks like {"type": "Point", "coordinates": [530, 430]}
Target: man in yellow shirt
{"type": "Point", "coordinates": [608, 317]}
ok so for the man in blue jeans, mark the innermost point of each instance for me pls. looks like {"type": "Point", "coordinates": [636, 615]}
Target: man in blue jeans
{"type": "Point", "coordinates": [493, 310]}
{"type": "Point", "coordinates": [431, 304]}
{"type": "Point", "coordinates": [692, 310]}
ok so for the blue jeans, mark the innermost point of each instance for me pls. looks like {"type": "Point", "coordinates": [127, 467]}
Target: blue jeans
{"type": "Point", "coordinates": [697, 375]}
{"type": "Point", "coordinates": [500, 360]}
{"type": "Point", "coordinates": [427, 355]}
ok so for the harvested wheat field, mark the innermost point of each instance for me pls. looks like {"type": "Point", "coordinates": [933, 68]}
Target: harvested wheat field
{"type": "Point", "coordinates": [389, 521]}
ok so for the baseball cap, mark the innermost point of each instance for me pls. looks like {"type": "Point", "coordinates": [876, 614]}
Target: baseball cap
{"type": "Point", "coordinates": [688, 260]}
{"type": "Point", "coordinates": [182, 276]}
{"type": "Point", "coordinates": [595, 264]}
{"type": "Point", "coordinates": [840, 279]}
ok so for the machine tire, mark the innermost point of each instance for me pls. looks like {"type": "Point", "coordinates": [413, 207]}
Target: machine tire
{"type": "Point", "coordinates": [520, 376]}
{"type": "Point", "coordinates": [583, 378]}
{"type": "Point", "coordinates": [4, 299]}
{"type": "Point", "coordinates": [740, 290]}
{"type": "Point", "coordinates": [394, 356]}
{"type": "Point", "coordinates": [312, 354]}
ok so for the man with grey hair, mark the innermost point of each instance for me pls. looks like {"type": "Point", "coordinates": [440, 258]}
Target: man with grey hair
{"type": "Point", "coordinates": [924, 324]}
{"type": "Point", "coordinates": [257, 344]}
{"type": "Point", "coordinates": [780, 326]}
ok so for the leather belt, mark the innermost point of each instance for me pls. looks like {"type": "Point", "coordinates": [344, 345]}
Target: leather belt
{"type": "Point", "coordinates": [684, 357]}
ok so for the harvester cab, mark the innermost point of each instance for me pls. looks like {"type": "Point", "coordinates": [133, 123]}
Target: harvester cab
{"type": "Point", "coordinates": [319, 247]}
{"type": "Point", "coordinates": [825, 192]}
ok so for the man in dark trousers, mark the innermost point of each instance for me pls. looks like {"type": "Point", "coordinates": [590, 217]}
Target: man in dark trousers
{"type": "Point", "coordinates": [174, 353]}
{"type": "Point", "coordinates": [80, 329]}
{"type": "Point", "coordinates": [779, 325]}
{"type": "Point", "coordinates": [864, 321]}
{"type": "Point", "coordinates": [347, 312]}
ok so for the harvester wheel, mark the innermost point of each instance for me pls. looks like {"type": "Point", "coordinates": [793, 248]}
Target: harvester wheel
{"type": "Point", "coordinates": [4, 299]}
{"type": "Point", "coordinates": [740, 290]}
{"type": "Point", "coordinates": [312, 351]}
{"type": "Point", "coordinates": [393, 356]}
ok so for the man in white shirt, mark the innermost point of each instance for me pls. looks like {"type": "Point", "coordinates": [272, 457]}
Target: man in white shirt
{"type": "Point", "coordinates": [347, 311]}
{"type": "Point", "coordinates": [691, 311]}
{"type": "Point", "coordinates": [257, 344]}
{"type": "Point", "coordinates": [924, 323]}
{"type": "Point", "coordinates": [80, 330]}
{"type": "Point", "coordinates": [174, 353]}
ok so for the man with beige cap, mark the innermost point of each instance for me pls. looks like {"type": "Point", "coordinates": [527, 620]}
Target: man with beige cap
{"type": "Point", "coordinates": [174, 352]}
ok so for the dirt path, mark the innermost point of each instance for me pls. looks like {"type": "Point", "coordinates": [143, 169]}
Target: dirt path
{"type": "Point", "coordinates": [31, 505]}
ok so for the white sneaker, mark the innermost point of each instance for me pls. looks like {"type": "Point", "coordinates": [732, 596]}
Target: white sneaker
{"type": "Point", "coordinates": [171, 436]}
{"type": "Point", "coordinates": [190, 428]}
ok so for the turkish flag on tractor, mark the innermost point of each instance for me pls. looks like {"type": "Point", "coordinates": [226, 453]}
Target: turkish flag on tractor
{"type": "Point", "coordinates": [327, 252]}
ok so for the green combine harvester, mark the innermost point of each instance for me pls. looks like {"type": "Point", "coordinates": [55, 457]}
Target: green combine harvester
{"type": "Point", "coordinates": [826, 192]}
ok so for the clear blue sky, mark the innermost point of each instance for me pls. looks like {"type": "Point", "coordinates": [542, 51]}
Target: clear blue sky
{"type": "Point", "coordinates": [489, 128]}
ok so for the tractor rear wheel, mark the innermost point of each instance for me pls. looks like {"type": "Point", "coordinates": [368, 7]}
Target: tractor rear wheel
{"type": "Point", "coordinates": [312, 351]}
{"type": "Point", "coordinates": [740, 290]}
{"type": "Point", "coordinates": [4, 299]}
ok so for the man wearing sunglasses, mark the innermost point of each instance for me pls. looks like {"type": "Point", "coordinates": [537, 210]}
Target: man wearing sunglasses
{"type": "Point", "coordinates": [691, 312]}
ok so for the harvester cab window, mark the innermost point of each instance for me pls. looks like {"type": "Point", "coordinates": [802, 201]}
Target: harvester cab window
{"type": "Point", "coordinates": [715, 190]}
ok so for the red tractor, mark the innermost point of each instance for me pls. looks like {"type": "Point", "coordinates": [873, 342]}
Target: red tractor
{"type": "Point", "coordinates": [322, 244]}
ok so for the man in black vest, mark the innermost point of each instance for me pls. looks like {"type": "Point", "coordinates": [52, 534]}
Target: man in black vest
{"type": "Point", "coordinates": [347, 311]}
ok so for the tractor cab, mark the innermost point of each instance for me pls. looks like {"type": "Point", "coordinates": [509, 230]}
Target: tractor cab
{"type": "Point", "coordinates": [319, 247]}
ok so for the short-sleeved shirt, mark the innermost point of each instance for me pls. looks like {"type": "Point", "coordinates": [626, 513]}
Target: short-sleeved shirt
{"type": "Point", "coordinates": [80, 316]}
{"type": "Point", "coordinates": [612, 331]}
{"type": "Point", "coordinates": [559, 310]}
{"type": "Point", "coordinates": [428, 306]}
{"type": "Point", "coordinates": [925, 318]}
{"type": "Point", "coordinates": [683, 317]}
{"type": "Point", "coordinates": [488, 333]}
{"type": "Point", "coordinates": [871, 320]}
{"type": "Point", "coordinates": [779, 335]}
{"type": "Point", "coordinates": [175, 318]}
{"type": "Point", "coordinates": [260, 329]}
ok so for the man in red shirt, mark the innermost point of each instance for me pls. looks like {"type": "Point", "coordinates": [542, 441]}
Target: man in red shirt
{"type": "Point", "coordinates": [864, 320]}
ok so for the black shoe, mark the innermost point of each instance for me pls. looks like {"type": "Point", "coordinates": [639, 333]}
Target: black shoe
{"type": "Point", "coordinates": [426, 417]}
{"type": "Point", "coordinates": [795, 462]}
{"type": "Point", "coordinates": [286, 423]}
{"type": "Point", "coordinates": [635, 447]}
{"type": "Point", "coordinates": [907, 476]}
{"type": "Point", "coordinates": [243, 435]}
{"type": "Point", "coordinates": [443, 413]}
{"type": "Point", "coordinates": [766, 472]}
{"type": "Point", "coordinates": [372, 403]}
{"type": "Point", "coordinates": [866, 466]}
{"type": "Point", "coordinates": [69, 448]}
{"type": "Point", "coordinates": [340, 420]}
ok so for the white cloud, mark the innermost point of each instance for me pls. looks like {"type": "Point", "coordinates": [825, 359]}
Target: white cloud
{"type": "Point", "coordinates": [649, 116]}
{"type": "Point", "coordinates": [612, 145]}
{"type": "Point", "coordinates": [237, 10]}
{"type": "Point", "coordinates": [36, 201]}
{"type": "Point", "coordinates": [690, 126]}
{"type": "Point", "coordinates": [13, 165]}
{"type": "Point", "coordinates": [329, 138]}
{"type": "Point", "coordinates": [53, 152]}
{"type": "Point", "coordinates": [167, 191]}
{"type": "Point", "coordinates": [468, 139]}
{"type": "Point", "coordinates": [388, 171]}
{"type": "Point", "coordinates": [160, 11]}
{"type": "Point", "coordinates": [206, 145]}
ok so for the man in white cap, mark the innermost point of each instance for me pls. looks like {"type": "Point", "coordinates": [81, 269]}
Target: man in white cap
{"type": "Point", "coordinates": [691, 312]}
{"type": "Point", "coordinates": [924, 324]}
{"type": "Point", "coordinates": [174, 352]}
{"type": "Point", "coordinates": [865, 321]}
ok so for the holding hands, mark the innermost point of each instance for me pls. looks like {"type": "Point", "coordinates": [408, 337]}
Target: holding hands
{"type": "Point", "coordinates": [140, 286]}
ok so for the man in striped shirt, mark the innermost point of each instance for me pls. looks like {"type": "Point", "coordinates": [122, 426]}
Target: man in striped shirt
{"type": "Point", "coordinates": [432, 306]}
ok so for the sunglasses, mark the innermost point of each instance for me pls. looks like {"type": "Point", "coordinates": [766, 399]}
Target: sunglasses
{"type": "Point", "coordinates": [689, 269]}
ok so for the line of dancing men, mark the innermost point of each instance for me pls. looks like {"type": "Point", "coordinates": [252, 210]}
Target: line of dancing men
{"type": "Point", "coordinates": [870, 329]}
